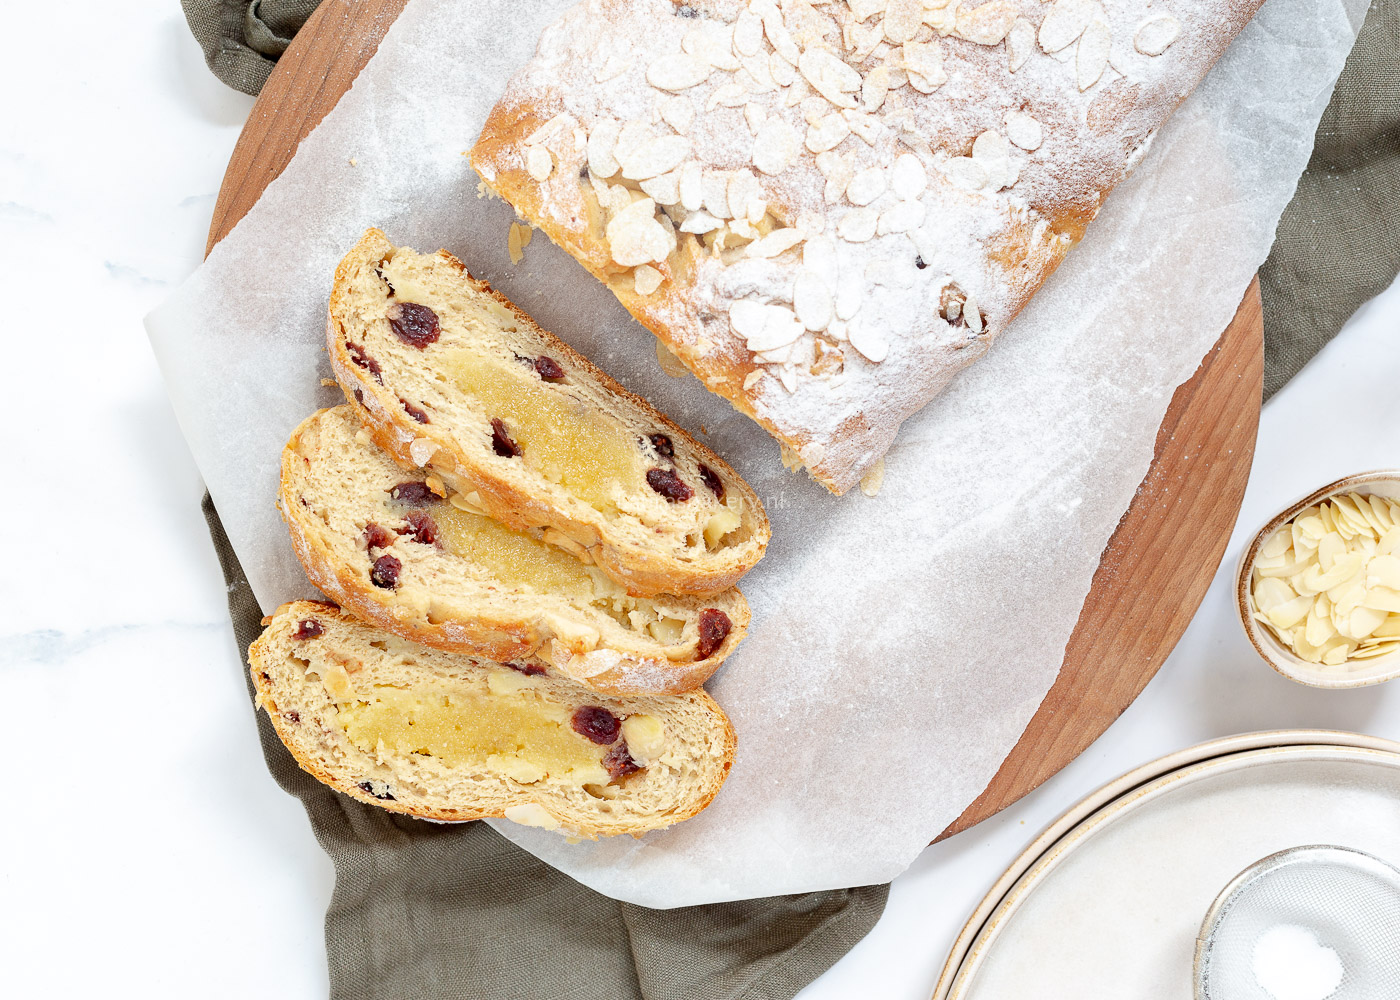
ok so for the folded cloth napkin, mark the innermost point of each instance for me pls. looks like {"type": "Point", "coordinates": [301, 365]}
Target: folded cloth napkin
{"type": "Point", "coordinates": [457, 911]}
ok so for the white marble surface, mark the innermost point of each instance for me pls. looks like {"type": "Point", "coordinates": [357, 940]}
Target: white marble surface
{"type": "Point", "coordinates": [147, 850]}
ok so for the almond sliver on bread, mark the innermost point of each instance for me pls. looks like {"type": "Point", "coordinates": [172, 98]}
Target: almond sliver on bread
{"type": "Point", "coordinates": [379, 541]}
{"type": "Point", "coordinates": [448, 737]}
{"type": "Point", "coordinates": [447, 374]}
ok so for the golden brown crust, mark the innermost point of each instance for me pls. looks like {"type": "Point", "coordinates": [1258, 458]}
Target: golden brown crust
{"type": "Point", "coordinates": [287, 733]}
{"type": "Point", "coordinates": [643, 572]}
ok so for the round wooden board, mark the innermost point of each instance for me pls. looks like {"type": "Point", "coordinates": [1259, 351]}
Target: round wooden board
{"type": "Point", "coordinates": [1159, 561]}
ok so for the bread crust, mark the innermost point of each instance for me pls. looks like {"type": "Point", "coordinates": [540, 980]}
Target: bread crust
{"type": "Point", "coordinates": [503, 639]}
{"type": "Point", "coordinates": [262, 652]}
{"type": "Point", "coordinates": [643, 572]}
{"type": "Point", "coordinates": [1009, 244]}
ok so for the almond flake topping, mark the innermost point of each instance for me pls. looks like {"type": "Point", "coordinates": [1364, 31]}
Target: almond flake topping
{"type": "Point", "coordinates": [646, 279]}
{"type": "Point", "coordinates": [923, 61]}
{"type": "Point", "coordinates": [827, 133]}
{"type": "Point", "coordinates": [712, 41]}
{"type": "Point", "coordinates": [539, 163]}
{"type": "Point", "coordinates": [764, 327]}
{"type": "Point", "coordinates": [730, 95]}
{"type": "Point", "coordinates": [689, 186]}
{"type": "Point", "coordinates": [635, 237]}
{"type": "Point", "coordinates": [902, 20]}
{"type": "Point", "coordinates": [1092, 58]}
{"type": "Point", "coordinates": [602, 141]}
{"type": "Point", "coordinates": [987, 24]}
{"type": "Point", "coordinates": [744, 196]}
{"type": "Point", "coordinates": [755, 115]}
{"type": "Point", "coordinates": [776, 242]}
{"type": "Point", "coordinates": [866, 186]}
{"type": "Point", "coordinates": [838, 171]}
{"type": "Point", "coordinates": [908, 178]}
{"type": "Point", "coordinates": [869, 342]}
{"type": "Point", "coordinates": [863, 10]}
{"type": "Point", "coordinates": [664, 189]}
{"type": "Point", "coordinates": [1023, 130]}
{"type": "Point", "coordinates": [1156, 33]}
{"type": "Point", "coordinates": [874, 88]}
{"type": "Point", "coordinates": [811, 300]}
{"type": "Point", "coordinates": [1064, 23]}
{"type": "Point", "coordinates": [1020, 40]}
{"type": "Point", "coordinates": [678, 113]}
{"type": "Point", "coordinates": [901, 218]}
{"type": "Point", "coordinates": [700, 223]}
{"type": "Point", "coordinates": [775, 146]}
{"type": "Point", "coordinates": [850, 295]}
{"type": "Point", "coordinates": [677, 72]}
{"type": "Point", "coordinates": [819, 258]}
{"type": "Point", "coordinates": [748, 34]}
{"type": "Point", "coordinates": [830, 77]}
{"type": "Point", "coordinates": [779, 35]}
{"type": "Point", "coordinates": [858, 225]}
{"type": "Point", "coordinates": [656, 156]}
{"type": "Point", "coordinates": [965, 173]}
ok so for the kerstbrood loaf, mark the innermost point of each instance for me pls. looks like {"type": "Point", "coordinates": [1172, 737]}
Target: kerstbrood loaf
{"type": "Point", "coordinates": [448, 737]}
{"type": "Point", "coordinates": [386, 544]}
{"type": "Point", "coordinates": [448, 375]}
{"type": "Point", "coordinates": [827, 210]}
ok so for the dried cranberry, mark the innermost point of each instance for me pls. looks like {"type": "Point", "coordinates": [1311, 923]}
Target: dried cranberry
{"type": "Point", "coordinates": [423, 528]}
{"type": "Point", "coordinates": [413, 493]}
{"type": "Point", "coordinates": [359, 357]}
{"type": "Point", "coordinates": [596, 723]}
{"type": "Point", "coordinates": [359, 395]}
{"type": "Point", "coordinates": [663, 445]}
{"type": "Point", "coordinates": [368, 788]}
{"type": "Point", "coordinates": [501, 443]}
{"type": "Point", "coordinates": [380, 272]}
{"type": "Point", "coordinates": [619, 762]}
{"type": "Point", "coordinates": [377, 537]}
{"type": "Point", "coordinates": [309, 628]}
{"type": "Point", "coordinates": [293, 716]}
{"type": "Point", "coordinates": [714, 629]}
{"type": "Point", "coordinates": [669, 485]}
{"type": "Point", "coordinates": [708, 477]}
{"type": "Point", "coordinates": [549, 369]}
{"type": "Point", "coordinates": [413, 411]}
{"type": "Point", "coordinates": [528, 669]}
{"type": "Point", "coordinates": [385, 572]}
{"type": "Point", "coordinates": [415, 325]}
{"type": "Point", "coordinates": [919, 262]}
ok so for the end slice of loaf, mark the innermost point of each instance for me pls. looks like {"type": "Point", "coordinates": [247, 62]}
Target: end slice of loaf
{"type": "Point", "coordinates": [399, 550]}
{"type": "Point", "coordinates": [448, 737]}
{"type": "Point", "coordinates": [448, 374]}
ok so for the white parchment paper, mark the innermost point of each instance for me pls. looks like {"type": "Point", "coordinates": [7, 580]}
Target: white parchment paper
{"type": "Point", "coordinates": [899, 644]}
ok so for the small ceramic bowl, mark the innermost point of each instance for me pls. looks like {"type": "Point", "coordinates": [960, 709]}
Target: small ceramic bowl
{"type": "Point", "coordinates": [1352, 673]}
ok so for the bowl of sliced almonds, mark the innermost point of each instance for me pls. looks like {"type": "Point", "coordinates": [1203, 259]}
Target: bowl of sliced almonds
{"type": "Point", "coordinates": [1318, 587]}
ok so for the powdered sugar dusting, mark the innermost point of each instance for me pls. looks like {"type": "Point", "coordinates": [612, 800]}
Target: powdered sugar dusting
{"type": "Point", "coordinates": [812, 107]}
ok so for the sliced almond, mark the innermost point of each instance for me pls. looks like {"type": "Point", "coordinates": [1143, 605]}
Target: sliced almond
{"type": "Point", "coordinates": [779, 35]}
{"type": "Point", "coordinates": [700, 223]}
{"type": "Point", "coordinates": [776, 242]}
{"type": "Point", "coordinates": [1064, 23]}
{"type": "Point", "coordinates": [539, 163]}
{"type": "Point", "coordinates": [902, 20]}
{"type": "Point", "coordinates": [602, 142]}
{"type": "Point", "coordinates": [1023, 130]}
{"type": "Point", "coordinates": [874, 88]}
{"type": "Point", "coordinates": [828, 133]}
{"type": "Point", "coordinates": [1156, 34]}
{"type": "Point", "coordinates": [688, 186]}
{"type": "Point", "coordinates": [646, 279]}
{"type": "Point", "coordinates": [664, 189]}
{"type": "Point", "coordinates": [679, 71]}
{"type": "Point", "coordinates": [868, 340]}
{"type": "Point", "coordinates": [678, 112]}
{"type": "Point", "coordinates": [712, 41]}
{"type": "Point", "coordinates": [908, 178]}
{"type": "Point", "coordinates": [850, 296]}
{"type": "Point", "coordinates": [965, 173]}
{"type": "Point", "coordinates": [635, 237]}
{"type": "Point", "coordinates": [866, 186]}
{"type": "Point", "coordinates": [811, 300]}
{"type": "Point", "coordinates": [873, 479]}
{"type": "Point", "coordinates": [748, 33]}
{"type": "Point", "coordinates": [858, 225]}
{"type": "Point", "coordinates": [775, 146]}
{"type": "Point", "coordinates": [1020, 41]}
{"type": "Point", "coordinates": [829, 76]}
{"type": "Point", "coordinates": [657, 156]}
{"type": "Point", "coordinates": [1092, 58]}
{"type": "Point", "coordinates": [923, 61]}
{"type": "Point", "coordinates": [988, 23]}
{"type": "Point", "coordinates": [744, 196]}
{"type": "Point", "coordinates": [819, 258]}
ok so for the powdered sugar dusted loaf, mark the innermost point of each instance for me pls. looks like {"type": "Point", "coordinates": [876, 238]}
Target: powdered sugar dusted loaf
{"type": "Point", "coordinates": [826, 210]}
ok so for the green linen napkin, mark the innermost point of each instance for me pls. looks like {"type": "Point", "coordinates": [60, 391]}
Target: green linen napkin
{"type": "Point", "coordinates": [458, 911]}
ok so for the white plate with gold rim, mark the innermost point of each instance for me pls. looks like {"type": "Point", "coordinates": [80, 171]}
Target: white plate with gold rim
{"type": "Point", "coordinates": [1107, 902]}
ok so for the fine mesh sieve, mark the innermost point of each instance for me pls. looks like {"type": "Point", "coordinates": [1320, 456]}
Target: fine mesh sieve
{"type": "Point", "coordinates": [1309, 923]}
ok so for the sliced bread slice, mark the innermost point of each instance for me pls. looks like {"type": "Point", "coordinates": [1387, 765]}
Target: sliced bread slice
{"type": "Point", "coordinates": [398, 550]}
{"type": "Point", "coordinates": [447, 374]}
{"type": "Point", "coordinates": [448, 737]}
